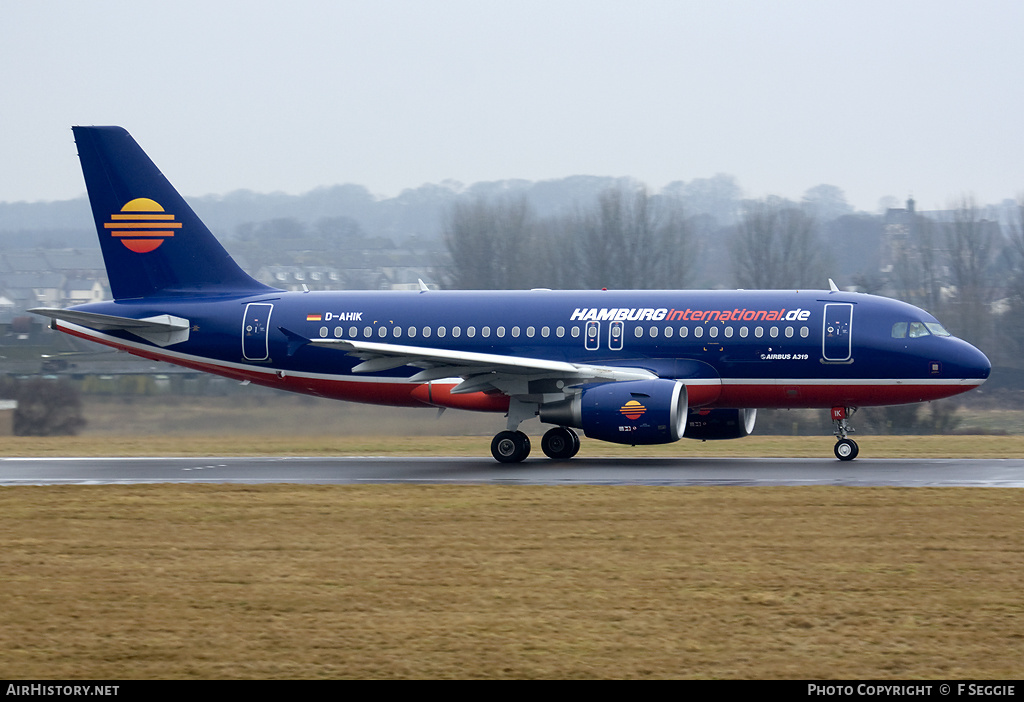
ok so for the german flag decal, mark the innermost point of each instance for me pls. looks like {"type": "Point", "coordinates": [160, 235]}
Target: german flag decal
{"type": "Point", "coordinates": [633, 410]}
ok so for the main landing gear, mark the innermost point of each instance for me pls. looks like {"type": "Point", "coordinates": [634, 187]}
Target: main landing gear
{"type": "Point", "coordinates": [560, 443]}
{"type": "Point", "coordinates": [510, 446]}
{"type": "Point", "coordinates": [846, 449]}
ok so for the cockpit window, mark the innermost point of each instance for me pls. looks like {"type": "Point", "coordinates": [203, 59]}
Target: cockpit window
{"type": "Point", "coordinates": [915, 330]}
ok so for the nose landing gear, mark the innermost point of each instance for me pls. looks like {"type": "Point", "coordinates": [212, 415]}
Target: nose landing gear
{"type": "Point", "coordinates": [846, 449]}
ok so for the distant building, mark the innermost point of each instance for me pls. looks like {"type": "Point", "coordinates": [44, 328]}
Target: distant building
{"type": "Point", "coordinates": [50, 279]}
{"type": "Point", "coordinates": [898, 235]}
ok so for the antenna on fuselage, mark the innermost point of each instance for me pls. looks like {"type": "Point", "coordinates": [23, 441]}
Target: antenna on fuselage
{"type": "Point", "coordinates": [832, 286]}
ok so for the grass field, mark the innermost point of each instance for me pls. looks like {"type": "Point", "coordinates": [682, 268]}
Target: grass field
{"type": "Point", "coordinates": [125, 582]}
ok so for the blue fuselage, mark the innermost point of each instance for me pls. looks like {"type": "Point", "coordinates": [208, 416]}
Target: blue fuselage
{"type": "Point", "coordinates": [731, 348]}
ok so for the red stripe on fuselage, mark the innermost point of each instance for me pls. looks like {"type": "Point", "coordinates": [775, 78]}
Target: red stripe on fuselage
{"type": "Point", "coordinates": [791, 395]}
{"type": "Point", "coordinates": [396, 394]}
{"type": "Point", "coordinates": [405, 394]}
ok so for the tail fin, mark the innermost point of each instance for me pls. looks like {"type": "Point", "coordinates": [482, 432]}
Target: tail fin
{"type": "Point", "coordinates": [152, 241]}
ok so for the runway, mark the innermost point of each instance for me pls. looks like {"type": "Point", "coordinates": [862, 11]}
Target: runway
{"type": "Point", "coordinates": [476, 471]}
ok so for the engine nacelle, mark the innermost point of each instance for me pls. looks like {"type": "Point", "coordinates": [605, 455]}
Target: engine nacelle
{"type": "Point", "coordinates": [630, 412]}
{"type": "Point", "coordinates": [714, 424]}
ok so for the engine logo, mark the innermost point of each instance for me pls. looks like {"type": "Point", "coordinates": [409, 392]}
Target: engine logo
{"type": "Point", "coordinates": [633, 410]}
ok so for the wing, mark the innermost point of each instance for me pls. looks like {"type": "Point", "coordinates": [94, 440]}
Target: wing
{"type": "Point", "coordinates": [512, 375]}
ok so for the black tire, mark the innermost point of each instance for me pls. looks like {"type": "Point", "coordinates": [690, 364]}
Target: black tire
{"type": "Point", "coordinates": [510, 446]}
{"type": "Point", "coordinates": [560, 443]}
{"type": "Point", "coordinates": [846, 449]}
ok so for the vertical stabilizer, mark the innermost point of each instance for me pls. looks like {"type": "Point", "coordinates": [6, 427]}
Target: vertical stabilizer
{"type": "Point", "coordinates": [152, 242]}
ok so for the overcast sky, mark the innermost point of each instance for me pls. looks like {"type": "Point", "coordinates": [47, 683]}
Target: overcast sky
{"type": "Point", "coordinates": [879, 98]}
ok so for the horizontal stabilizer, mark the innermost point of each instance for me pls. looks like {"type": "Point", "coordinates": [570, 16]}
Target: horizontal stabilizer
{"type": "Point", "coordinates": [162, 330]}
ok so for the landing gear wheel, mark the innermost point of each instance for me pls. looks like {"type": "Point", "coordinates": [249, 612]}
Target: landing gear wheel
{"type": "Point", "coordinates": [560, 443]}
{"type": "Point", "coordinates": [846, 449]}
{"type": "Point", "coordinates": [510, 446]}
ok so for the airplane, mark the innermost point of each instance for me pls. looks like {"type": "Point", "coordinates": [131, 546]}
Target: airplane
{"type": "Point", "coordinates": [627, 367]}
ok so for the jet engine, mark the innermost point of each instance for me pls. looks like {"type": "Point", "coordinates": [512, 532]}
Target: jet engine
{"type": "Point", "coordinates": [714, 424]}
{"type": "Point", "coordinates": [629, 412]}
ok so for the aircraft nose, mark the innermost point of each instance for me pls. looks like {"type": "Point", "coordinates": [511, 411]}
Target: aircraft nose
{"type": "Point", "coordinates": [973, 363]}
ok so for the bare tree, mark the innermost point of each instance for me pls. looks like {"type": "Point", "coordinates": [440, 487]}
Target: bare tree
{"type": "Point", "coordinates": [487, 244]}
{"type": "Point", "coordinates": [677, 246]}
{"type": "Point", "coordinates": [826, 202]}
{"type": "Point", "coordinates": [970, 244]}
{"type": "Point", "coordinates": [1011, 321]}
{"type": "Point", "coordinates": [776, 246]}
{"type": "Point", "coordinates": [632, 239]}
{"type": "Point", "coordinates": [627, 239]}
{"type": "Point", "coordinates": [917, 267]}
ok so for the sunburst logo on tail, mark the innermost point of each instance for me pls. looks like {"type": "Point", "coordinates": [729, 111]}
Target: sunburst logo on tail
{"type": "Point", "coordinates": [142, 225]}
